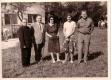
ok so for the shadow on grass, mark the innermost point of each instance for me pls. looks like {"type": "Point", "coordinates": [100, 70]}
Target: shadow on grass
{"type": "Point", "coordinates": [46, 58]}
{"type": "Point", "coordinates": [95, 55]}
{"type": "Point", "coordinates": [91, 56]}
{"type": "Point", "coordinates": [49, 57]}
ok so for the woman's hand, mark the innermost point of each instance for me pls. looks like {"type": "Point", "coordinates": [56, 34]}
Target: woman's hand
{"type": "Point", "coordinates": [24, 47]}
{"type": "Point", "coordinates": [48, 35]}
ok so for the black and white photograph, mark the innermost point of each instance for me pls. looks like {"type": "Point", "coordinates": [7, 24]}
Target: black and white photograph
{"type": "Point", "coordinates": [54, 39]}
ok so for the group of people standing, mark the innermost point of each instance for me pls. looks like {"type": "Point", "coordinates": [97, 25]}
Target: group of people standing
{"type": "Point", "coordinates": [35, 35]}
{"type": "Point", "coordinates": [102, 23]}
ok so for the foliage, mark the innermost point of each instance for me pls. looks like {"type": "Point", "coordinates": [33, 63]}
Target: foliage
{"type": "Point", "coordinates": [18, 8]}
{"type": "Point", "coordinates": [95, 10]}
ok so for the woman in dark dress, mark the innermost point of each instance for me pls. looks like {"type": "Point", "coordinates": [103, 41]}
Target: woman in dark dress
{"type": "Point", "coordinates": [53, 43]}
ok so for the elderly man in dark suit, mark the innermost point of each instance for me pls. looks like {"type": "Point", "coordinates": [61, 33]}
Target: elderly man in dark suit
{"type": "Point", "coordinates": [25, 34]}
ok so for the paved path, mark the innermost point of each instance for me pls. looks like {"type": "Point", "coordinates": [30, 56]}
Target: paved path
{"type": "Point", "coordinates": [10, 43]}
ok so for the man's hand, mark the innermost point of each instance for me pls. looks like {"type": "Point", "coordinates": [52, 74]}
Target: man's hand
{"type": "Point", "coordinates": [24, 47]}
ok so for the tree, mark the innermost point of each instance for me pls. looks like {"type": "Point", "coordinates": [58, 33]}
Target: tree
{"type": "Point", "coordinates": [61, 9]}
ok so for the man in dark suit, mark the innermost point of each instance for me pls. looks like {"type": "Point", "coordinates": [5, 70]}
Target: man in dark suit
{"type": "Point", "coordinates": [25, 34]}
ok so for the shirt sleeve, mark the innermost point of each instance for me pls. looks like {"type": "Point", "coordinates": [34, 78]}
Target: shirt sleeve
{"type": "Point", "coordinates": [77, 24]}
{"type": "Point", "coordinates": [64, 29]}
{"type": "Point", "coordinates": [77, 27]}
{"type": "Point", "coordinates": [92, 25]}
{"type": "Point", "coordinates": [74, 26]}
{"type": "Point", "coordinates": [32, 33]}
{"type": "Point", "coordinates": [20, 35]}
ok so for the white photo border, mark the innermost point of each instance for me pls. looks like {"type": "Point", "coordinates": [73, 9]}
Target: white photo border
{"type": "Point", "coordinates": [73, 78]}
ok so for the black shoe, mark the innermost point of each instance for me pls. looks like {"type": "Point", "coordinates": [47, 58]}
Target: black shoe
{"type": "Point", "coordinates": [26, 65]}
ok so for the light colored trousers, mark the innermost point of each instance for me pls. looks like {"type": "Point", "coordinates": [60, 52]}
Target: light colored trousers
{"type": "Point", "coordinates": [83, 44]}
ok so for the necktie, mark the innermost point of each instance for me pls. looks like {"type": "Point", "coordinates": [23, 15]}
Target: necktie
{"type": "Point", "coordinates": [40, 27]}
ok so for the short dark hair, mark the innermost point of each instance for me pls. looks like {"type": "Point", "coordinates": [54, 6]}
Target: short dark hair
{"type": "Point", "coordinates": [51, 16]}
{"type": "Point", "coordinates": [83, 10]}
{"type": "Point", "coordinates": [69, 14]}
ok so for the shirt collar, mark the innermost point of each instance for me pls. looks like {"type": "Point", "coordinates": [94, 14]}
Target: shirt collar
{"type": "Point", "coordinates": [70, 21]}
{"type": "Point", "coordinates": [38, 23]}
{"type": "Point", "coordinates": [84, 19]}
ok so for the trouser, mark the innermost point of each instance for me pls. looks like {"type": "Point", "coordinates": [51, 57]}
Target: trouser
{"type": "Point", "coordinates": [68, 46]}
{"type": "Point", "coordinates": [83, 42]}
{"type": "Point", "coordinates": [25, 56]}
{"type": "Point", "coordinates": [38, 51]}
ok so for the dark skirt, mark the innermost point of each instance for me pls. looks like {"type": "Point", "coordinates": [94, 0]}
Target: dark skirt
{"type": "Point", "coordinates": [53, 44]}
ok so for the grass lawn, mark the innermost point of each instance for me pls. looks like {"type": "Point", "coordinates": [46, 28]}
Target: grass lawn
{"type": "Point", "coordinates": [97, 62]}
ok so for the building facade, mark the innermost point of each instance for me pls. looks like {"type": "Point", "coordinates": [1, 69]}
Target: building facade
{"type": "Point", "coordinates": [10, 17]}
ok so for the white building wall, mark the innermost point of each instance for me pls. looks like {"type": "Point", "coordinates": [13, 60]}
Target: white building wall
{"type": "Point", "coordinates": [37, 9]}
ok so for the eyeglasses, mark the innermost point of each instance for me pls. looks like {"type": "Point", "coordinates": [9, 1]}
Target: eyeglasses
{"type": "Point", "coordinates": [68, 17]}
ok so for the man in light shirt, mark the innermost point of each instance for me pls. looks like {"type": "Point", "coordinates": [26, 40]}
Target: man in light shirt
{"type": "Point", "coordinates": [68, 30]}
{"type": "Point", "coordinates": [85, 27]}
{"type": "Point", "coordinates": [39, 37]}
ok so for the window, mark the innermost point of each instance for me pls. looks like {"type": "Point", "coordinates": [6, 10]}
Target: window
{"type": "Point", "coordinates": [7, 19]}
{"type": "Point", "coordinates": [10, 19]}
{"type": "Point", "coordinates": [31, 18]}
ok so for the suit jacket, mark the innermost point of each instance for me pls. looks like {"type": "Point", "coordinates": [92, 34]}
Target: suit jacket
{"type": "Point", "coordinates": [25, 35]}
{"type": "Point", "coordinates": [39, 33]}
